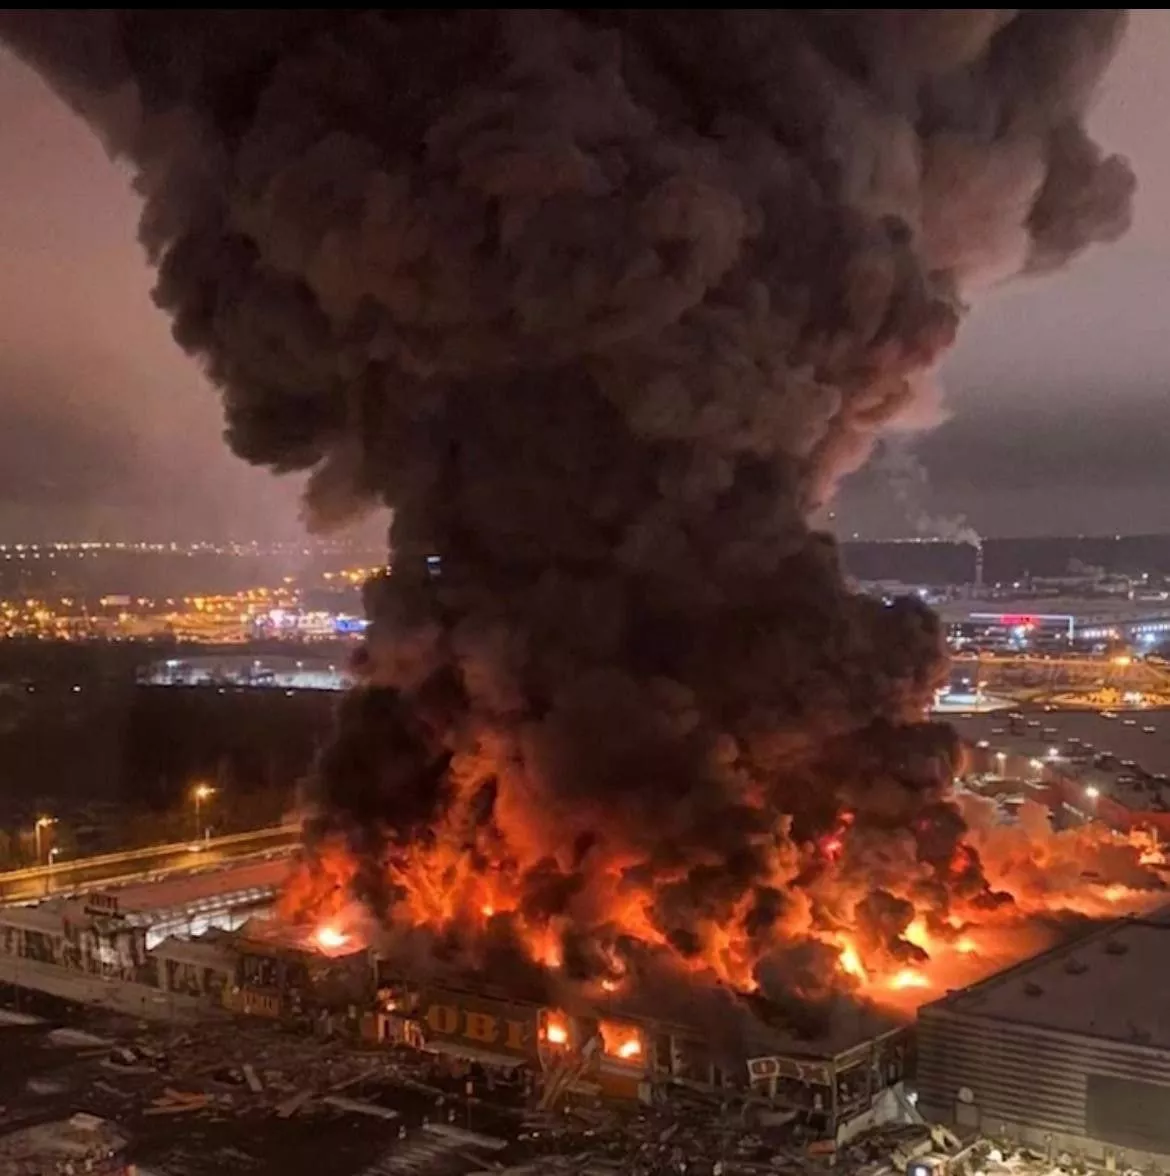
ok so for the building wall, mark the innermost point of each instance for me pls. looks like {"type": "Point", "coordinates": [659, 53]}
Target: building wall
{"type": "Point", "coordinates": [492, 1025]}
{"type": "Point", "coordinates": [95, 946]}
{"type": "Point", "coordinates": [1054, 1091]}
{"type": "Point", "coordinates": [1104, 808]}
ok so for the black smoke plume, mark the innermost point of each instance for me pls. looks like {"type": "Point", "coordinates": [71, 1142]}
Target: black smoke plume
{"type": "Point", "coordinates": [603, 303]}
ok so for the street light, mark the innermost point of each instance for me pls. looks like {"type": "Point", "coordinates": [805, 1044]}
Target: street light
{"type": "Point", "coordinates": [42, 824]}
{"type": "Point", "coordinates": [200, 793]}
{"type": "Point", "coordinates": [53, 852]}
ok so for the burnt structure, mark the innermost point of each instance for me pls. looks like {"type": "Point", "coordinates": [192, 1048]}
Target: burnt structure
{"type": "Point", "coordinates": [836, 1084]}
{"type": "Point", "coordinates": [1068, 1052]}
{"type": "Point", "coordinates": [280, 977]}
{"type": "Point", "coordinates": [91, 936]}
{"type": "Point", "coordinates": [621, 1050]}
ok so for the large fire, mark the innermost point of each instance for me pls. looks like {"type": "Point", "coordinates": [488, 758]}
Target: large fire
{"type": "Point", "coordinates": [603, 304]}
{"type": "Point", "coordinates": [891, 930]}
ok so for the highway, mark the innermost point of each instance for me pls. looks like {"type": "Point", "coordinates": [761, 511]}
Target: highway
{"type": "Point", "coordinates": [112, 869]}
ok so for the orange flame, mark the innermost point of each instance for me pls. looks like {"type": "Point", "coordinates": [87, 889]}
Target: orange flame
{"type": "Point", "coordinates": [934, 936]}
{"type": "Point", "coordinates": [556, 1030]}
{"type": "Point", "coordinates": [908, 978]}
{"type": "Point", "coordinates": [620, 1041]}
{"type": "Point", "coordinates": [330, 938]}
{"type": "Point", "coordinates": [850, 963]}
{"type": "Point", "coordinates": [918, 934]}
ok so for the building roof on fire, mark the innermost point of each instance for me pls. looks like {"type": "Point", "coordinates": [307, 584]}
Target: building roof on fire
{"type": "Point", "coordinates": [760, 1029]}
{"type": "Point", "coordinates": [1107, 985]}
{"type": "Point", "coordinates": [816, 1033]}
{"type": "Point", "coordinates": [271, 934]}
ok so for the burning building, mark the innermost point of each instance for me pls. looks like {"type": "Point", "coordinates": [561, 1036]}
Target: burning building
{"type": "Point", "coordinates": [628, 1052]}
{"type": "Point", "coordinates": [602, 304]}
{"type": "Point", "coordinates": [285, 976]}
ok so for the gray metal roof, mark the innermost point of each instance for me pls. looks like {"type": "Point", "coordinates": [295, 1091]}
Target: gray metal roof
{"type": "Point", "coordinates": [1108, 985]}
{"type": "Point", "coordinates": [199, 953]}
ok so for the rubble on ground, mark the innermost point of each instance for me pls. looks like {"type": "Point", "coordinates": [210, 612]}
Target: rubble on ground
{"type": "Point", "coordinates": [229, 1071]}
{"type": "Point", "coordinates": [257, 1069]}
{"type": "Point", "coordinates": [80, 1143]}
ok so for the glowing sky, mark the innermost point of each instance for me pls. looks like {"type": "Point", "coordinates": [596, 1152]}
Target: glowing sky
{"type": "Point", "coordinates": [1058, 388]}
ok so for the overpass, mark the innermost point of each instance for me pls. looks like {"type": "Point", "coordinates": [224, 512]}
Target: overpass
{"type": "Point", "coordinates": [130, 865]}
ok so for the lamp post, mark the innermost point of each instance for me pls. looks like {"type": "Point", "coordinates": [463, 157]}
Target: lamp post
{"type": "Point", "coordinates": [53, 852]}
{"type": "Point", "coordinates": [42, 824]}
{"type": "Point", "coordinates": [200, 793]}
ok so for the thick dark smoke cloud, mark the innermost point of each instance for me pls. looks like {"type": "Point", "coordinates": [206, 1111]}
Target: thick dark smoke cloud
{"type": "Point", "coordinates": [603, 303]}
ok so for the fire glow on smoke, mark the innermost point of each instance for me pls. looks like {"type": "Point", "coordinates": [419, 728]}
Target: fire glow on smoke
{"type": "Point", "coordinates": [603, 304]}
{"type": "Point", "coordinates": [896, 945]}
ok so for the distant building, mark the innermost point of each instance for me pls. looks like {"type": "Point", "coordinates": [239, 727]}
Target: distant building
{"type": "Point", "coordinates": [301, 623]}
{"type": "Point", "coordinates": [1070, 617]}
{"type": "Point", "coordinates": [1112, 766]}
{"type": "Point", "coordinates": [284, 672]}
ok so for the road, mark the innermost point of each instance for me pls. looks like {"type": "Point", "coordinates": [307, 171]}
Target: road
{"type": "Point", "coordinates": [140, 864]}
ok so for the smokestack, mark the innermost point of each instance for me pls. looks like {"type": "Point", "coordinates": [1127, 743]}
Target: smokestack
{"type": "Point", "coordinates": [604, 303]}
{"type": "Point", "coordinates": [979, 567]}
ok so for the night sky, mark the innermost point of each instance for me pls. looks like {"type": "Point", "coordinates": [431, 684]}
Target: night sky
{"type": "Point", "coordinates": [1057, 390]}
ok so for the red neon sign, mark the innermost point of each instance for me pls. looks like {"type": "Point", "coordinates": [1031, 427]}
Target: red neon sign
{"type": "Point", "coordinates": [1011, 621]}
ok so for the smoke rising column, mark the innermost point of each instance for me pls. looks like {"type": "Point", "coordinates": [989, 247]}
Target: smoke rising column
{"type": "Point", "coordinates": [603, 303]}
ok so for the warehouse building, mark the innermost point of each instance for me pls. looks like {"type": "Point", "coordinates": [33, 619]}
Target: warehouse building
{"type": "Point", "coordinates": [280, 974]}
{"type": "Point", "coordinates": [1068, 1052]}
{"type": "Point", "coordinates": [627, 1048]}
{"type": "Point", "coordinates": [113, 934]}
